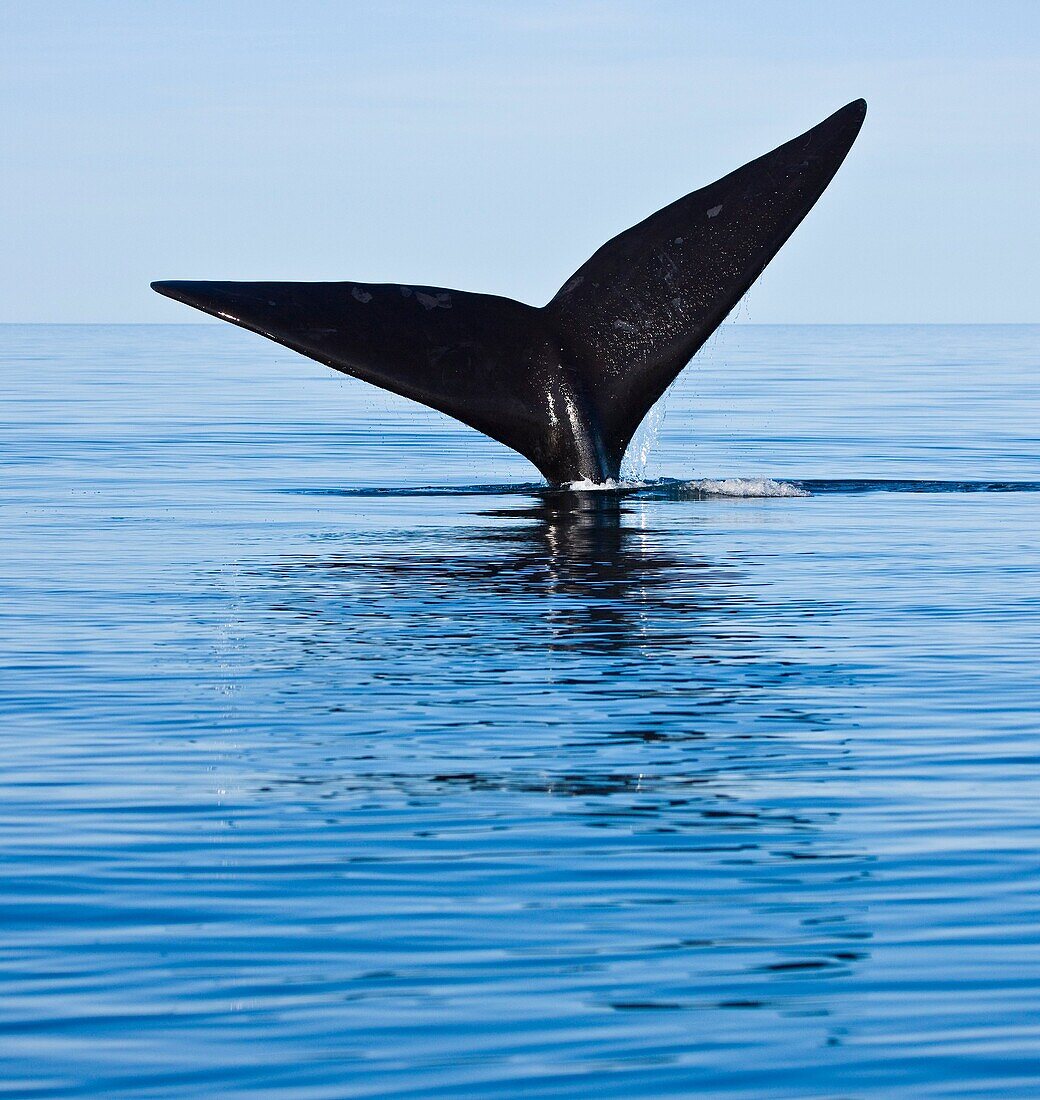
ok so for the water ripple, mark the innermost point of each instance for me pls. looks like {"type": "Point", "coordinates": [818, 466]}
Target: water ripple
{"type": "Point", "coordinates": [311, 788]}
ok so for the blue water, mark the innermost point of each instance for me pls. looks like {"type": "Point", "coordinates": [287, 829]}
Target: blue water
{"type": "Point", "coordinates": [338, 757]}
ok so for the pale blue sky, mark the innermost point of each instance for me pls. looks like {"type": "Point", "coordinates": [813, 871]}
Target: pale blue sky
{"type": "Point", "coordinates": [493, 146]}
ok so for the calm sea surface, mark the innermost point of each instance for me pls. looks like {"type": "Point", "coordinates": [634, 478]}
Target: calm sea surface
{"type": "Point", "coordinates": [339, 758]}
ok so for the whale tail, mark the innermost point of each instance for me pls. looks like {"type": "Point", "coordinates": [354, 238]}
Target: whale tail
{"type": "Point", "coordinates": [566, 384]}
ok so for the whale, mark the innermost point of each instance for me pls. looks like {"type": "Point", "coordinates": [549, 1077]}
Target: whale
{"type": "Point", "coordinates": [568, 383]}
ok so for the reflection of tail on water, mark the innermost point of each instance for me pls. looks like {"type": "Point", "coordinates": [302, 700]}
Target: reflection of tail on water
{"type": "Point", "coordinates": [575, 571]}
{"type": "Point", "coordinates": [556, 666]}
{"type": "Point", "coordinates": [580, 570]}
{"type": "Point", "coordinates": [580, 540]}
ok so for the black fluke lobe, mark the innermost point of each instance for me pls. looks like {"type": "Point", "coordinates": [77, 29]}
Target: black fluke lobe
{"type": "Point", "coordinates": [566, 384]}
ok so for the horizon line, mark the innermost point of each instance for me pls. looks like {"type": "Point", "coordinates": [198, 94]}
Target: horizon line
{"type": "Point", "coordinates": [731, 324]}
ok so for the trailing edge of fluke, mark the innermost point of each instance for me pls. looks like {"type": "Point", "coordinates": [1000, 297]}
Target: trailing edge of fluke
{"type": "Point", "coordinates": [566, 384]}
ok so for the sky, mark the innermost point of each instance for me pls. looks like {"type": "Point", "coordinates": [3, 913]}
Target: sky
{"type": "Point", "coordinates": [493, 146]}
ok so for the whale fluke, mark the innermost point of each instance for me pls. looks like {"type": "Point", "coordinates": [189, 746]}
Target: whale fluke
{"type": "Point", "coordinates": [566, 384]}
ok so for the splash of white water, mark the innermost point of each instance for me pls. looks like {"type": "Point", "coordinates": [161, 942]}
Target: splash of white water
{"type": "Point", "coordinates": [743, 487]}
{"type": "Point", "coordinates": [586, 486]}
{"type": "Point", "coordinates": [705, 487]}
{"type": "Point", "coordinates": [637, 456]}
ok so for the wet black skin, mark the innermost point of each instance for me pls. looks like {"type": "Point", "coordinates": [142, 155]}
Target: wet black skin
{"type": "Point", "coordinates": [566, 384]}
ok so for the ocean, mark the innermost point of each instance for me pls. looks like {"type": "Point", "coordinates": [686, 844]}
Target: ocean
{"type": "Point", "coordinates": [340, 757]}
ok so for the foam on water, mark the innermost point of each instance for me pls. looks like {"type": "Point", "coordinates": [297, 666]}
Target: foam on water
{"type": "Point", "coordinates": [714, 487]}
{"type": "Point", "coordinates": [609, 485]}
{"type": "Point", "coordinates": [744, 487]}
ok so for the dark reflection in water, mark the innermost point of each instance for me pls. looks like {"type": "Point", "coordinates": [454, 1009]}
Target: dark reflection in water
{"type": "Point", "coordinates": [602, 747]}
{"type": "Point", "coordinates": [608, 576]}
